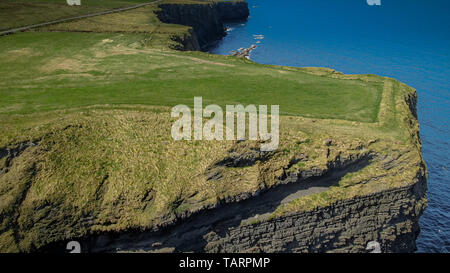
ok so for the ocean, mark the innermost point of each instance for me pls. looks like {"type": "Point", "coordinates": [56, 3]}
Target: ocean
{"type": "Point", "coordinates": [408, 40]}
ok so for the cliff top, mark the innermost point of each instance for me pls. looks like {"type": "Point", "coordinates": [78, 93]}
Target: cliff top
{"type": "Point", "coordinates": [86, 141]}
{"type": "Point", "coordinates": [20, 13]}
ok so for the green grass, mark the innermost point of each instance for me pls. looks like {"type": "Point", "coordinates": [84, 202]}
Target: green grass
{"type": "Point", "coordinates": [97, 100]}
{"type": "Point", "coordinates": [140, 20]}
{"type": "Point", "coordinates": [18, 13]}
{"type": "Point", "coordinates": [49, 71]}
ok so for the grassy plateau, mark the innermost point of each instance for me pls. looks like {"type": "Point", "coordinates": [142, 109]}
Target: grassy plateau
{"type": "Point", "coordinates": [85, 144]}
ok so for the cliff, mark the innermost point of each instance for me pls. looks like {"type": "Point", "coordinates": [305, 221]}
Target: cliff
{"type": "Point", "coordinates": [368, 190]}
{"type": "Point", "coordinates": [246, 223]}
{"type": "Point", "coordinates": [390, 218]}
{"type": "Point", "coordinates": [232, 11]}
{"type": "Point", "coordinates": [105, 171]}
{"type": "Point", "coordinates": [206, 19]}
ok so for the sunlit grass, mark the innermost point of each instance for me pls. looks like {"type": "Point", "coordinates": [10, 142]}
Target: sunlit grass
{"type": "Point", "coordinates": [97, 108]}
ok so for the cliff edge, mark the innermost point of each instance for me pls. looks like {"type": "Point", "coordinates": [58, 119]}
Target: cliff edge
{"type": "Point", "coordinates": [96, 163]}
{"type": "Point", "coordinates": [206, 19]}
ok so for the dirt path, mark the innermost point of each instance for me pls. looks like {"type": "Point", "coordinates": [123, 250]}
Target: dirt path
{"type": "Point", "coordinates": [14, 30]}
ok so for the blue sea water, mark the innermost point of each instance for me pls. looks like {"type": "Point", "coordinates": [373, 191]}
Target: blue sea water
{"type": "Point", "coordinates": [405, 39]}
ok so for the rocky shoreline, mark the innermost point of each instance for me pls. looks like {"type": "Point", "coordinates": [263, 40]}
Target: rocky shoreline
{"type": "Point", "coordinates": [243, 52]}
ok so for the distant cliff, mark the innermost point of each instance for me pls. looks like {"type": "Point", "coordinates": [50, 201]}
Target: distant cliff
{"type": "Point", "coordinates": [207, 20]}
{"type": "Point", "coordinates": [232, 11]}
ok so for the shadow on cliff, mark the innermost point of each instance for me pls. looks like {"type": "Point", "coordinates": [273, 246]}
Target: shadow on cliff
{"type": "Point", "coordinates": [191, 234]}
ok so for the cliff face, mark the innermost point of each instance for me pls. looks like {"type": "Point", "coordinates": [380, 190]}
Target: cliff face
{"type": "Point", "coordinates": [332, 186]}
{"type": "Point", "coordinates": [232, 11]}
{"type": "Point", "coordinates": [187, 41]}
{"type": "Point", "coordinates": [205, 19]}
{"type": "Point", "coordinates": [365, 190]}
{"type": "Point", "coordinates": [389, 217]}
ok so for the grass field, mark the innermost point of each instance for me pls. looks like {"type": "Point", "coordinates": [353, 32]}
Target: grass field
{"type": "Point", "coordinates": [48, 71]}
{"type": "Point", "coordinates": [85, 129]}
{"type": "Point", "coordinates": [19, 13]}
{"type": "Point", "coordinates": [27, 12]}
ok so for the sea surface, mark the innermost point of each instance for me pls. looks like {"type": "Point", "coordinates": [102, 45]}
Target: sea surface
{"type": "Point", "coordinates": [405, 39]}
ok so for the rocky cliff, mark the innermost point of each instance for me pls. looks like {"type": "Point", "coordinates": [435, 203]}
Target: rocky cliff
{"type": "Point", "coordinates": [332, 186]}
{"type": "Point", "coordinates": [389, 217]}
{"type": "Point", "coordinates": [232, 11]}
{"type": "Point", "coordinates": [312, 195]}
{"type": "Point", "coordinates": [206, 19]}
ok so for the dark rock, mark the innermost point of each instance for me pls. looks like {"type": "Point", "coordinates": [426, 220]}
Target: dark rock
{"type": "Point", "coordinates": [205, 19]}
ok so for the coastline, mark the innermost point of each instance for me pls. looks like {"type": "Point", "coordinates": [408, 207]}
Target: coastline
{"type": "Point", "coordinates": [243, 52]}
{"type": "Point", "coordinates": [399, 51]}
{"type": "Point", "coordinates": [319, 225]}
